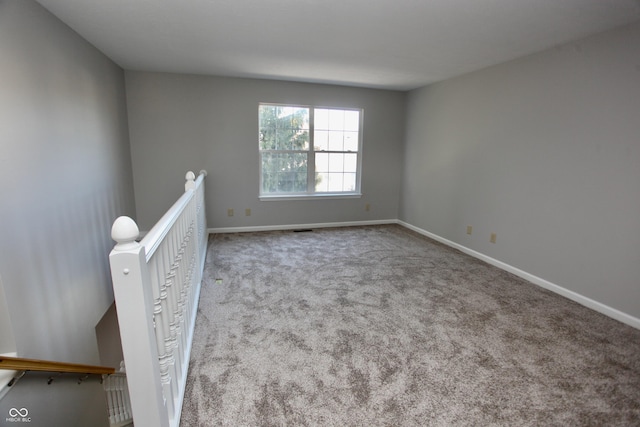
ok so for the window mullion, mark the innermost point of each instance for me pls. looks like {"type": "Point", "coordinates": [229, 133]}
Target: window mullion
{"type": "Point", "coordinates": [311, 156]}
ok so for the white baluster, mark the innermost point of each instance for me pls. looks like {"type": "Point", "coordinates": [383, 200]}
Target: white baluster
{"type": "Point", "coordinates": [110, 403]}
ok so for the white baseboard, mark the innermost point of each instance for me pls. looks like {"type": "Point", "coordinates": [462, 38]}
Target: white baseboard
{"type": "Point", "coordinates": [299, 226]}
{"type": "Point", "coordinates": [580, 299]}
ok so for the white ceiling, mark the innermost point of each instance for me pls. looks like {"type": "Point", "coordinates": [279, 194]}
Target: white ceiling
{"type": "Point", "coordinates": [392, 44]}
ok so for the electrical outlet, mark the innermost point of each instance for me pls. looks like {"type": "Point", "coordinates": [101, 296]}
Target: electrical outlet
{"type": "Point", "coordinates": [229, 212]}
{"type": "Point", "coordinates": [469, 229]}
{"type": "Point", "coordinates": [493, 238]}
{"type": "Point", "coordinates": [367, 207]}
{"type": "Point", "coordinates": [247, 212]}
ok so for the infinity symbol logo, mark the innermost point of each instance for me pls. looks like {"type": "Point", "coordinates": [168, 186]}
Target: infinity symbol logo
{"type": "Point", "coordinates": [22, 412]}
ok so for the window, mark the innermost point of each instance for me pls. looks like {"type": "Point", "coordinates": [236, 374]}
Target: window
{"type": "Point", "coordinates": [307, 151]}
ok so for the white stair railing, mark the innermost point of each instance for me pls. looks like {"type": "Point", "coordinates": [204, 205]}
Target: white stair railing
{"type": "Point", "coordinates": [157, 285]}
{"type": "Point", "coordinates": [118, 401]}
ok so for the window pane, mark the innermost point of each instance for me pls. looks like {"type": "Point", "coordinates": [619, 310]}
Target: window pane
{"type": "Point", "coordinates": [321, 119]}
{"type": "Point", "coordinates": [291, 117]}
{"type": "Point", "coordinates": [336, 162]}
{"type": "Point", "coordinates": [351, 141]}
{"type": "Point", "coordinates": [267, 116]}
{"type": "Point", "coordinates": [289, 182]}
{"type": "Point", "coordinates": [335, 182]}
{"type": "Point", "coordinates": [349, 183]}
{"type": "Point", "coordinates": [300, 185]}
{"type": "Point", "coordinates": [292, 139]}
{"type": "Point", "coordinates": [322, 162]}
{"type": "Point", "coordinates": [321, 140]}
{"type": "Point", "coordinates": [322, 182]}
{"type": "Point", "coordinates": [267, 138]}
{"type": "Point", "coordinates": [352, 120]}
{"type": "Point", "coordinates": [267, 180]}
{"type": "Point", "coordinates": [283, 128]}
{"type": "Point", "coordinates": [282, 119]}
{"type": "Point", "coordinates": [335, 140]}
{"type": "Point", "coordinates": [299, 118]}
{"type": "Point", "coordinates": [286, 182]}
{"type": "Point", "coordinates": [286, 172]}
{"type": "Point", "coordinates": [282, 140]}
{"type": "Point", "coordinates": [351, 162]}
{"type": "Point", "coordinates": [336, 119]}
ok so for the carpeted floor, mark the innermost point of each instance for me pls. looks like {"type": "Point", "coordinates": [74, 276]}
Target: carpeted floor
{"type": "Point", "coordinates": [379, 326]}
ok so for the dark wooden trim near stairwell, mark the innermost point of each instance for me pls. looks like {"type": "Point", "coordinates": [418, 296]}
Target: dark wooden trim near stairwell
{"type": "Point", "coordinates": [20, 364]}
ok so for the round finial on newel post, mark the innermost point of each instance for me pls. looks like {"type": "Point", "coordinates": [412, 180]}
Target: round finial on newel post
{"type": "Point", "coordinates": [125, 231]}
{"type": "Point", "coordinates": [191, 181]}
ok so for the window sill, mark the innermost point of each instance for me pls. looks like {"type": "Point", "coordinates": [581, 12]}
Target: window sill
{"type": "Point", "coordinates": [323, 196]}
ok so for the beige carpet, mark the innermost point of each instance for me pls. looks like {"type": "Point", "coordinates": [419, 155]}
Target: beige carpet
{"type": "Point", "coordinates": [379, 326]}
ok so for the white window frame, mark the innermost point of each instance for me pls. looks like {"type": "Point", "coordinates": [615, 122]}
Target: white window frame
{"type": "Point", "coordinates": [311, 193]}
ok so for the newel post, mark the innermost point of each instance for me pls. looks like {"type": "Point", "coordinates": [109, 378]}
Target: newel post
{"type": "Point", "coordinates": [191, 181]}
{"type": "Point", "coordinates": [134, 305]}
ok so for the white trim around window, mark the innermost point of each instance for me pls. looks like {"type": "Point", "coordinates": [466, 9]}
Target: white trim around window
{"type": "Point", "coordinates": [309, 152]}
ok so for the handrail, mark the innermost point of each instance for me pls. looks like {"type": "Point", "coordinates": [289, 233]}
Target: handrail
{"type": "Point", "coordinates": [159, 231]}
{"type": "Point", "coordinates": [21, 364]}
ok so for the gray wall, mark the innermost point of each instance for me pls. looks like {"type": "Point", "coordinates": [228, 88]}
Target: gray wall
{"type": "Point", "coordinates": [65, 175]}
{"type": "Point", "coordinates": [184, 122]}
{"type": "Point", "coordinates": [545, 152]}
